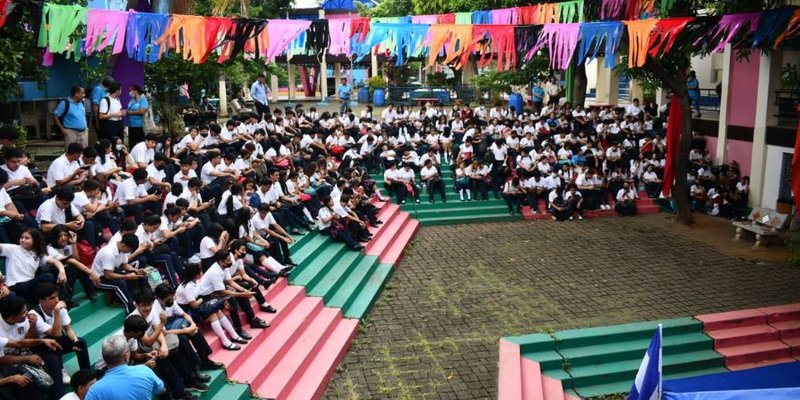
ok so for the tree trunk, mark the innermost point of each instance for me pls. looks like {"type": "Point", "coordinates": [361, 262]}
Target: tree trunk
{"type": "Point", "coordinates": [579, 83]}
{"type": "Point", "coordinates": [680, 191]}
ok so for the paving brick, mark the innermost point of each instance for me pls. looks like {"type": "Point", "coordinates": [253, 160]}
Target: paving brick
{"type": "Point", "coordinates": [433, 334]}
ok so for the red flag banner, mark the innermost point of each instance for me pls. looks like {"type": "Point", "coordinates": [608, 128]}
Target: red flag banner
{"type": "Point", "coordinates": [796, 168]}
{"type": "Point", "coordinates": [673, 143]}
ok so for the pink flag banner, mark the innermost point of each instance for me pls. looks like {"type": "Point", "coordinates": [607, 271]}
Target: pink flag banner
{"type": "Point", "coordinates": [561, 41]}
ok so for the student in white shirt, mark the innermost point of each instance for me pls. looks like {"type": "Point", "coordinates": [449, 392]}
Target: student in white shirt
{"type": "Point", "coordinates": [405, 180]}
{"type": "Point", "coordinates": [430, 176]}
{"type": "Point", "coordinates": [53, 312]}
{"type": "Point", "coordinates": [133, 198]}
{"type": "Point", "coordinates": [23, 262]}
{"type": "Point", "coordinates": [65, 170]}
{"type": "Point", "coordinates": [626, 200]}
{"type": "Point", "coordinates": [143, 153]}
{"type": "Point", "coordinates": [513, 194]}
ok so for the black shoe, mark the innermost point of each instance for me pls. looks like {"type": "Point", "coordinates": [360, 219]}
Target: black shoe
{"type": "Point", "coordinates": [233, 346]}
{"type": "Point", "coordinates": [378, 222]}
{"type": "Point", "coordinates": [240, 340]}
{"type": "Point", "coordinates": [206, 365]}
{"type": "Point", "coordinates": [196, 386]}
{"type": "Point", "coordinates": [290, 262]}
{"type": "Point", "coordinates": [358, 248]}
{"type": "Point", "coordinates": [203, 378]}
{"type": "Point", "coordinates": [259, 324]}
{"type": "Point", "coordinates": [188, 396]}
{"type": "Point", "coordinates": [244, 335]}
{"type": "Point", "coordinates": [268, 309]}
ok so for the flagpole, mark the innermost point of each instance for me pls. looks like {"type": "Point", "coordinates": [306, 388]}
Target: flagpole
{"type": "Point", "coordinates": [660, 389]}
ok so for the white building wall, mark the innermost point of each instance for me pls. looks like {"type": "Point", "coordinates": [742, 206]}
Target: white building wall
{"type": "Point", "coordinates": [772, 177]}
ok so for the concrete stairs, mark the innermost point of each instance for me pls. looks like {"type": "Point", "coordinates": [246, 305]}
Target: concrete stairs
{"type": "Point", "coordinates": [645, 205]}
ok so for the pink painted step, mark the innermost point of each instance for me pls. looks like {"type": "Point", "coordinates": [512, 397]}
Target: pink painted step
{"type": "Point", "coordinates": [281, 296]}
{"type": "Point", "coordinates": [286, 373]}
{"type": "Point", "coordinates": [743, 335]}
{"type": "Point", "coordinates": [531, 380]}
{"type": "Point", "coordinates": [552, 388]}
{"type": "Point", "coordinates": [314, 380]}
{"type": "Point", "coordinates": [259, 361]}
{"type": "Point", "coordinates": [386, 233]}
{"type": "Point", "coordinates": [394, 252]}
{"type": "Point", "coordinates": [385, 214]}
{"type": "Point", "coordinates": [788, 329]}
{"type": "Point", "coordinates": [743, 366]}
{"type": "Point", "coordinates": [786, 312]}
{"type": "Point", "coordinates": [763, 353]}
{"type": "Point", "coordinates": [509, 379]}
{"type": "Point", "coordinates": [732, 319]}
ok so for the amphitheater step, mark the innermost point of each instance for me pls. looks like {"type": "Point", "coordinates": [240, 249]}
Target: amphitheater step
{"type": "Point", "coordinates": [94, 321]}
{"type": "Point", "coordinates": [368, 294]}
{"type": "Point", "coordinates": [310, 270]}
{"type": "Point", "coordinates": [282, 378]}
{"type": "Point", "coordinates": [762, 353]}
{"type": "Point", "coordinates": [394, 252]}
{"type": "Point", "coordinates": [353, 283]}
{"type": "Point", "coordinates": [328, 281]}
{"type": "Point", "coordinates": [467, 219]}
{"type": "Point", "coordinates": [313, 380]}
{"type": "Point", "coordinates": [732, 319]}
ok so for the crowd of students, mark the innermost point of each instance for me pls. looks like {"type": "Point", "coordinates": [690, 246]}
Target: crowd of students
{"type": "Point", "coordinates": [188, 228]}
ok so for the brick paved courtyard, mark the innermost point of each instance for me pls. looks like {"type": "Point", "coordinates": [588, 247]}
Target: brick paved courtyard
{"type": "Point", "coordinates": [434, 332]}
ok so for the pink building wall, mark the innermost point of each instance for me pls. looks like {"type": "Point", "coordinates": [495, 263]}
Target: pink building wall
{"type": "Point", "coordinates": [739, 151]}
{"type": "Point", "coordinates": [742, 92]}
{"type": "Point", "coordinates": [711, 146]}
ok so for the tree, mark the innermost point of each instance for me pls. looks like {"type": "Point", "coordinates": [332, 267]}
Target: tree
{"type": "Point", "coordinates": [670, 70]}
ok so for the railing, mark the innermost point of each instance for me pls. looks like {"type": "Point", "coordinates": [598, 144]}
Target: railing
{"type": "Point", "coordinates": [709, 99]}
{"type": "Point", "coordinates": [786, 102]}
{"type": "Point", "coordinates": [407, 95]}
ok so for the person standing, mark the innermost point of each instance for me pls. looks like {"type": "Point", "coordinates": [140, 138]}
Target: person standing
{"type": "Point", "coordinates": [694, 92]}
{"type": "Point", "coordinates": [110, 114]}
{"type": "Point", "coordinates": [537, 96]}
{"type": "Point", "coordinates": [554, 91]}
{"type": "Point", "coordinates": [260, 92]}
{"type": "Point", "coordinates": [137, 106]}
{"type": "Point", "coordinates": [344, 92]}
{"type": "Point", "coordinates": [122, 381]}
{"type": "Point", "coordinates": [70, 118]}
{"type": "Point", "coordinates": [98, 92]}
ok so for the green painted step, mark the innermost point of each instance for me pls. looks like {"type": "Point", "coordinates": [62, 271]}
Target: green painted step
{"type": "Point", "coordinates": [625, 386]}
{"type": "Point", "coordinates": [625, 371]}
{"type": "Point", "coordinates": [361, 305]}
{"type": "Point", "coordinates": [328, 281]}
{"type": "Point", "coordinates": [307, 272]}
{"type": "Point", "coordinates": [533, 342]}
{"type": "Point", "coordinates": [437, 211]}
{"type": "Point", "coordinates": [236, 391]}
{"type": "Point", "coordinates": [453, 201]}
{"type": "Point", "coordinates": [624, 332]}
{"type": "Point", "coordinates": [353, 283]}
{"type": "Point", "coordinates": [466, 219]}
{"type": "Point", "coordinates": [308, 250]}
{"type": "Point", "coordinates": [219, 379]}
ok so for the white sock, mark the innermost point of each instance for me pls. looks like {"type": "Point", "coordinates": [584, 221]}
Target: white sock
{"type": "Point", "coordinates": [307, 214]}
{"type": "Point", "coordinates": [264, 304]}
{"type": "Point", "coordinates": [273, 265]}
{"type": "Point", "coordinates": [217, 328]}
{"type": "Point", "coordinates": [226, 323]}
{"type": "Point", "coordinates": [469, 194]}
{"type": "Point", "coordinates": [461, 193]}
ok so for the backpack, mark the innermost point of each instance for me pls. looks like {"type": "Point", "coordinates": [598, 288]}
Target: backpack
{"type": "Point", "coordinates": [66, 111]}
{"type": "Point", "coordinates": [148, 123]}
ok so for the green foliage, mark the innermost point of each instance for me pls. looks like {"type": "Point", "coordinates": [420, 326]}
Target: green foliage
{"type": "Point", "coordinates": [376, 82]}
{"type": "Point", "coordinates": [22, 137]}
{"type": "Point", "coordinates": [793, 245]}
{"type": "Point", "coordinates": [18, 61]}
{"type": "Point", "coordinates": [790, 77]}
{"type": "Point", "coordinates": [495, 84]}
{"type": "Point", "coordinates": [437, 79]}
{"type": "Point", "coordinates": [387, 8]}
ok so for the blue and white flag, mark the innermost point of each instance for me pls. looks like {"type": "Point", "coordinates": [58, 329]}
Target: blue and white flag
{"type": "Point", "coordinates": [647, 385]}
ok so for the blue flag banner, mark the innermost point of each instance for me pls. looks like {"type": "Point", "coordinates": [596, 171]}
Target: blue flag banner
{"type": "Point", "coordinates": [647, 385]}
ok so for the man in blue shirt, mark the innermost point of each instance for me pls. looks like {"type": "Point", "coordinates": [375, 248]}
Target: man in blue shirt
{"type": "Point", "coordinates": [537, 96]}
{"type": "Point", "coordinates": [70, 118]}
{"type": "Point", "coordinates": [123, 382]}
{"type": "Point", "coordinates": [259, 91]}
{"type": "Point", "coordinates": [344, 92]}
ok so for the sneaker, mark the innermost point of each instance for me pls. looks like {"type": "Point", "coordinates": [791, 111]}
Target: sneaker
{"type": "Point", "coordinates": [197, 386]}
{"type": "Point", "coordinates": [417, 201]}
{"type": "Point", "coordinates": [65, 376]}
{"type": "Point", "coordinates": [195, 259]}
{"type": "Point", "coordinates": [579, 217]}
{"type": "Point", "coordinates": [571, 218]}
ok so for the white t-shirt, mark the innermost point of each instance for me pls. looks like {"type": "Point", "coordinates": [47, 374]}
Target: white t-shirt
{"type": "Point", "coordinates": [212, 281]}
{"type": "Point", "coordinates": [205, 247]}
{"type": "Point", "coordinates": [49, 212]}
{"type": "Point", "coordinates": [20, 330]}
{"type": "Point", "coordinates": [128, 190]}
{"type": "Point", "coordinates": [141, 154]}
{"type": "Point", "coordinates": [108, 258]}
{"type": "Point", "coordinates": [222, 208]}
{"type": "Point", "coordinates": [426, 172]}
{"type": "Point", "coordinates": [326, 213]}
{"type": "Point", "coordinates": [48, 319]}
{"type": "Point", "coordinates": [110, 105]}
{"type": "Point", "coordinates": [80, 201]}
{"type": "Point", "coordinates": [21, 172]}
{"type": "Point", "coordinates": [186, 293]}
{"type": "Point", "coordinates": [59, 254]}
{"type": "Point", "coordinates": [21, 264]}
{"type": "Point", "coordinates": [5, 199]}
{"type": "Point", "coordinates": [60, 169]}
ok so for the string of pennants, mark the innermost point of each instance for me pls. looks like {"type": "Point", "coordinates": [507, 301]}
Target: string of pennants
{"type": "Point", "coordinates": [505, 36]}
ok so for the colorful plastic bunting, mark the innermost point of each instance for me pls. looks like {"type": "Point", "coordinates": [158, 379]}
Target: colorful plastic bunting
{"type": "Point", "coordinates": [727, 28]}
{"type": "Point", "coordinates": [281, 33]}
{"type": "Point", "coordinates": [501, 44]}
{"type": "Point", "coordinates": [143, 31]}
{"type": "Point", "coordinates": [561, 41]}
{"type": "Point", "coordinates": [454, 40]}
{"type": "Point", "coordinates": [570, 11]}
{"type": "Point", "coordinates": [639, 40]}
{"type": "Point", "coordinates": [792, 29]}
{"type": "Point", "coordinates": [665, 33]}
{"type": "Point", "coordinates": [59, 22]}
{"type": "Point", "coordinates": [339, 30]}
{"type": "Point", "coordinates": [770, 23]}
{"type": "Point", "coordinates": [504, 16]}
{"type": "Point", "coordinates": [611, 9]}
{"type": "Point", "coordinates": [595, 34]}
{"type": "Point", "coordinates": [103, 27]}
